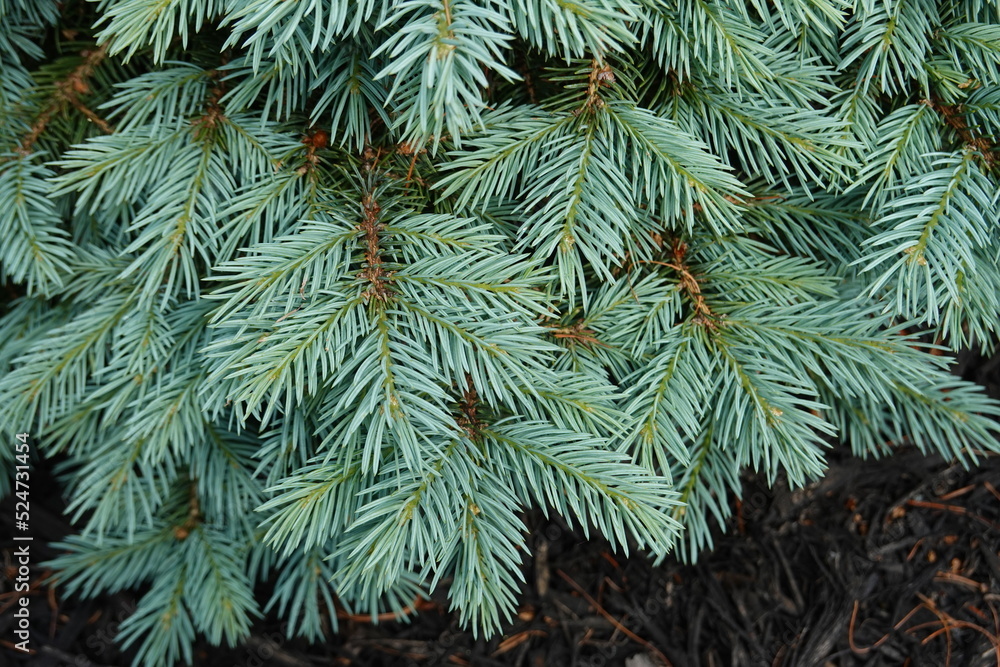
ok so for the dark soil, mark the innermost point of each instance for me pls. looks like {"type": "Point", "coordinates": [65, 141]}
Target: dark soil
{"type": "Point", "coordinates": [890, 562]}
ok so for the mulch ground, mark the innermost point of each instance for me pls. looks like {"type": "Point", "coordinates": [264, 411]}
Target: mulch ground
{"type": "Point", "coordinates": [889, 562]}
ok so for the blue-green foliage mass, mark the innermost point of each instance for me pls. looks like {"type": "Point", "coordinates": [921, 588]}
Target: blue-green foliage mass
{"type": "Point", "coordinates": [328, 293]}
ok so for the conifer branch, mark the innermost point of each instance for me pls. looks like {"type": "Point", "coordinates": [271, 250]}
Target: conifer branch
{"type": "Point", "coordinates": [954, 116]}
{"type": "Point", "coordinates": [689, 284]}
{"type": "Point", "coordinates": [67, 92]}
{"type": "Point", "coordinates": [378, 279]}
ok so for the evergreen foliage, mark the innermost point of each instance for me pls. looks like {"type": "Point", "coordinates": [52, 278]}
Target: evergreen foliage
{"type": "Point", "coordinates": [327, 293]}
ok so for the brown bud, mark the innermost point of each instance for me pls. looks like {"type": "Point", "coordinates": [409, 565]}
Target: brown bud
{"type": "Point", "coordinates": [317, 140]}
